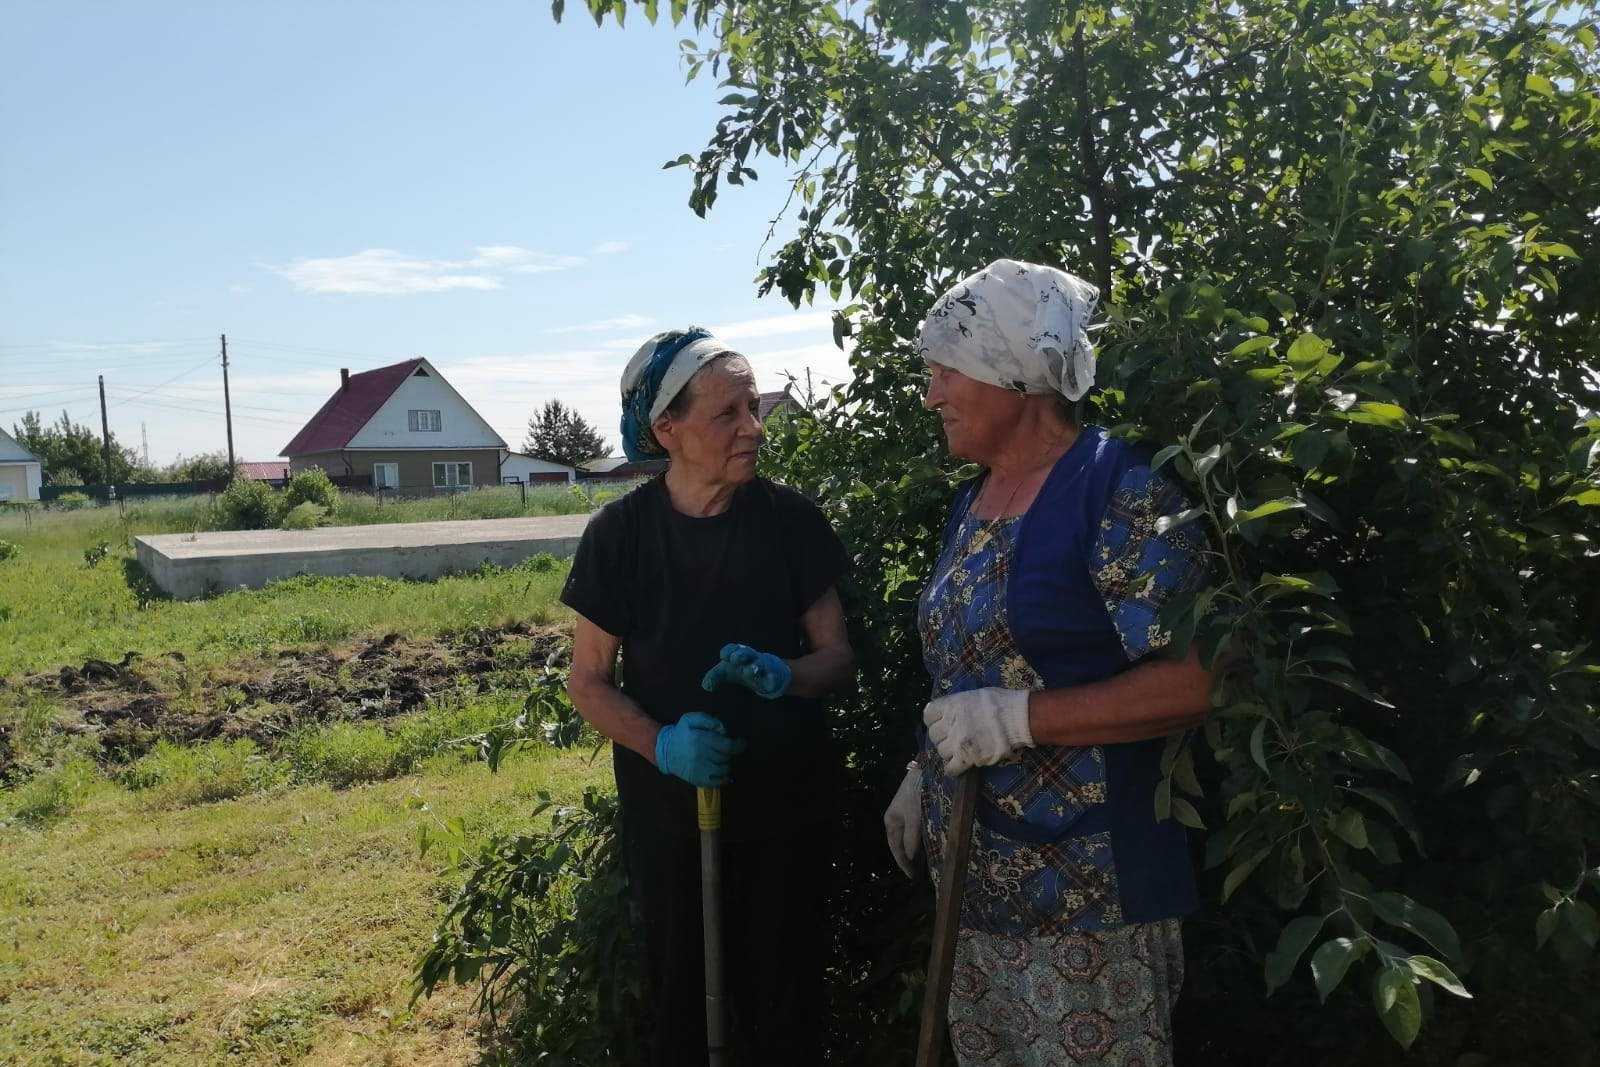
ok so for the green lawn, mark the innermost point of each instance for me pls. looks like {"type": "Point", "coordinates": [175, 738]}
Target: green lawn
{"type": "Point", "coordinates": [233, 901]}
{"type": "Point", "coordinates": [56, 609]}
{"type": "Point", "coordinates": [275, 928]}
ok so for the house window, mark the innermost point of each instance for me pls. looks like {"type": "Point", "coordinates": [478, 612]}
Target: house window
{"type": "Point", "coordinates": [423, 421]}
{"type": "Point", "coordinates": [386, 475]}
{"type": "Point", "coordinates": [452, 475]}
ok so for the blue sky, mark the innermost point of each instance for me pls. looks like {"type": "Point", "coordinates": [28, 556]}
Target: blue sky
{"type": "Point", "coordinates": [352, 184]}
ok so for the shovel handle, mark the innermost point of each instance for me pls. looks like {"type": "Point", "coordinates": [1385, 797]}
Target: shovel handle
{"type": "Point", "coordinates": [947, 921]}
{"type": "Point", "coordinates": [709, 817]}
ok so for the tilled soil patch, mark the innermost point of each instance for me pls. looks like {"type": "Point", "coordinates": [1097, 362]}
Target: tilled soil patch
{"type": "Point", "coordinates": [131, 704]}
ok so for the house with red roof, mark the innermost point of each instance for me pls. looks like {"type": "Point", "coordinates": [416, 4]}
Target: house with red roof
{"type": "Point", "coordinates": [401, 426]}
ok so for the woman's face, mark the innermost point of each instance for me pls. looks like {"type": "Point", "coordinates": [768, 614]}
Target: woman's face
{"type": "Point", "coordinates": [977, 416]}
{"type": "Point", "coordinates": [718, 434]}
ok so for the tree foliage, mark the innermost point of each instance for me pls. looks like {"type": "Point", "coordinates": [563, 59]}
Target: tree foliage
{"type": "Point", "coordinates": [72, 454]}
{"type": "Point", "coordinates": [200, 467]}
{"type": "Point", "coordinates": [559, 434]}
{"type": "Point", "coordinates": [1344, 247]}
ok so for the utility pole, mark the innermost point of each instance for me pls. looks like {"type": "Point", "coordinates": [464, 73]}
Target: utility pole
{"type": "Point", "coordinates": [227, 404]}
{"type": "Point", "coordinates": [144, 442]}
{"type": "Point", "coordinates": [105, 433]}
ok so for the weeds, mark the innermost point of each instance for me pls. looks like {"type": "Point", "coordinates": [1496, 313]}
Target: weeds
{"type": "Point", "coordinates": [177, 776]}
{"type": "Point", "coordinates": [49, 796]}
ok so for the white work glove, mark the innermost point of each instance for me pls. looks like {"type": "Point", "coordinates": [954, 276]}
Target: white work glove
{"type": "Point", "coordinates": [903, 821]}
{"type": "Point", "coordinates": [978, 728]}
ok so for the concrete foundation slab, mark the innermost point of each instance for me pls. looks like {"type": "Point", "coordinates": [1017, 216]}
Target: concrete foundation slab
{"type": "Point", "coordinates": [186, 566]}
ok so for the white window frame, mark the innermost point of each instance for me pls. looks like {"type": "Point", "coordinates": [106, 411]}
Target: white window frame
{"type": "Point", "coordinates": [442, 473]}
{"type": "Point", "coordinates": [390, 482]}
{"type": "Point", "coordinates": [424, 420]}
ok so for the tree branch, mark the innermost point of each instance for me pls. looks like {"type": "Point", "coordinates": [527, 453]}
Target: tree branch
{"type": "Point", "coordinates": [1093, 172]}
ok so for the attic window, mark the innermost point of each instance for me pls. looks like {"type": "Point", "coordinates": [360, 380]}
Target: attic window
{"type": "Point", "coordinates": [423, 421]}
{"type": "Point", "coordinates": [419, 373]}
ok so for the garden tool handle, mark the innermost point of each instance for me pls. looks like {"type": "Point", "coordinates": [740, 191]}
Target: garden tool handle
{"type": "Point", "coordinates": [947, 921]}
{"type": "Point", "coordinates": [709, 804]}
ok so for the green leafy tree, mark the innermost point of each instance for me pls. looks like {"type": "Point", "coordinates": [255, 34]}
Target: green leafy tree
{"type": "Point", "coordinates": [71, 453]}
{"type": "Point", "coordinates": [1347, 252]}
{"type": "Point", "coordinates": [201, 467]}
{"type": "Point", "coordinates": [559, 434]}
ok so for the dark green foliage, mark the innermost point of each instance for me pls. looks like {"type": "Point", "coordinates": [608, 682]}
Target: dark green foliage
{"type": "Point", "coordinates": [204, 467]}
{"type": "Point", "coordinates": [247, 505]}
{"type": "Point", "coordinates": [73, 454]}
{"type": "Point", "coordinates": [1344, 247]}
{"type": "Point", "coordinates": [543, 925]}
{"type": "Point", "coordinates": [560, 435]}
{"type": "Point", "coordinates": [311, 487]}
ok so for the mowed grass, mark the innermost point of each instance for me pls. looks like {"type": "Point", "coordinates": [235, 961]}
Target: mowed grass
{"type": "Point", "coordinates": [57, 609]}
{"type": "Point", "coordinates": [275, 928]}
{"type": "Point", "coordinates": [223, 902]}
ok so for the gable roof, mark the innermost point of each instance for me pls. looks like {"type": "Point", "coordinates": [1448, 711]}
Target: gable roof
{"type": "Point", "coordinates": [771, 402]}
{"type": "Point", "coordinates": [264, 470]}
{"type": "Point", "coordinates": [11, 452]}
{"type": "Point", "coordinates": [349, 408]}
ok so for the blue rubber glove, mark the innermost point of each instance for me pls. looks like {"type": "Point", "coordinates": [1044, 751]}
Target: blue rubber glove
{"type": "Point", "coordinates": [762, 673]}
{"type": "Point", "coordinates": [697, 749]}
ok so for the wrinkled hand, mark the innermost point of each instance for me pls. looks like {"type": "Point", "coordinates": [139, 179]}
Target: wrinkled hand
{"type": "Point", "coordinates": [903, 822]}
{"type": "Point", "coordinates": [697, 749]}
{"type": "Point", "coordinates": [978, 728]}
{"type": "Point", "coordinates": [762, 673]}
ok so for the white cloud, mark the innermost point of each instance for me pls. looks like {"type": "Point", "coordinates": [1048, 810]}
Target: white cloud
{"type": "Point", "coordinates": [387, 272]}
{"type": "Point", "coordinates": [827, 364]}
{"type": "Point", "coordinates": [610, 248]}
{"type": "Point", "coordinates": [621, 322]}
{"type": "Point", "coordinates": [137, 348]}
{"type": "Point", "coordinates": [777, 326]}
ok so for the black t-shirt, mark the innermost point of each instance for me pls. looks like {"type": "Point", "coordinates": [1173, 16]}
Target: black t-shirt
{"type": "Point", "coordinates": [675, 589]}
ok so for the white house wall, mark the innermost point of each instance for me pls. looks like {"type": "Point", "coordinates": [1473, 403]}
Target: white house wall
{"type": "Point", "coordinates": [461, 426]}
{"type": "Point", "coordinates": [517, 465]}
{"type": "Point", "coordinates": [19, 481]}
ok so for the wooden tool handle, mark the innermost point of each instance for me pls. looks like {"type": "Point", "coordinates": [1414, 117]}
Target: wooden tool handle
{"type": "Point", "coordinates": [709, 816]}
{"type": "Point", "coordinates": [947, 920]}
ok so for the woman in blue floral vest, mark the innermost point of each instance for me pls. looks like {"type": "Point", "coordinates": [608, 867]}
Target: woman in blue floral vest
{"type": "Point", "coordinates": [1041, 635]}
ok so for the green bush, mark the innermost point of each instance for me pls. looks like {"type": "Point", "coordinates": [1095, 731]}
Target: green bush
{"type": "Point", "coordinates": [9, 550]}
{"type": "Point", "coordinates": [561, 898]}
{"type": "Point", "coordinates": [247, 505]}
{"type": "Point", "coordinates": [176, 776]}
{"type": "Point", "coordinates": [72, 501]}
{"type": "Point", "coordinates": [304, 516]}
{"type": "Point", "coordinates": [1346, 253]}
{"type": "Point", "coordinates": [342, 754]}
{"type": "Point", "coordinates": [311, 487]}
{"type": "Point", "coordinates": [48, 796]}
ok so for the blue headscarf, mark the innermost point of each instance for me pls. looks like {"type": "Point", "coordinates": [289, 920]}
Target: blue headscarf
{"type": "Point", "coordinates": [638, 397]}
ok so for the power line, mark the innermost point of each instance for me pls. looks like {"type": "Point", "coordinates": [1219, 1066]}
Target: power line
{"type": "Point", "coordinates": [213, 411]}
{"type": "Point", "coordinates": [313, 349]}
{"type": "Point", "coordinates": [169, 381]}
{"type": "Point", "coordinates": [192, 398]}
{"type": "Point", "coordinates": [105, 346]}
{"type": "Point", "coordinates": [30, 407]}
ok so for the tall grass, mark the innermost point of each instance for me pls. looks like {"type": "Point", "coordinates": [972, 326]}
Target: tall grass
{"type": "Point", "coordinates": [55, 608]}
{"type": "Point", "coordinates": [190, 514]}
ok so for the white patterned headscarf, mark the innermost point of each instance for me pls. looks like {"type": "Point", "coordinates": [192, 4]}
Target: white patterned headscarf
{"type": "Point", "coordinates": [1021, 326]}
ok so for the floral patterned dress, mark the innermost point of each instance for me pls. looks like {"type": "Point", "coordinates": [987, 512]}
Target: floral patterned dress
{"type": "Point", "coordinates": [1049, 972]}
